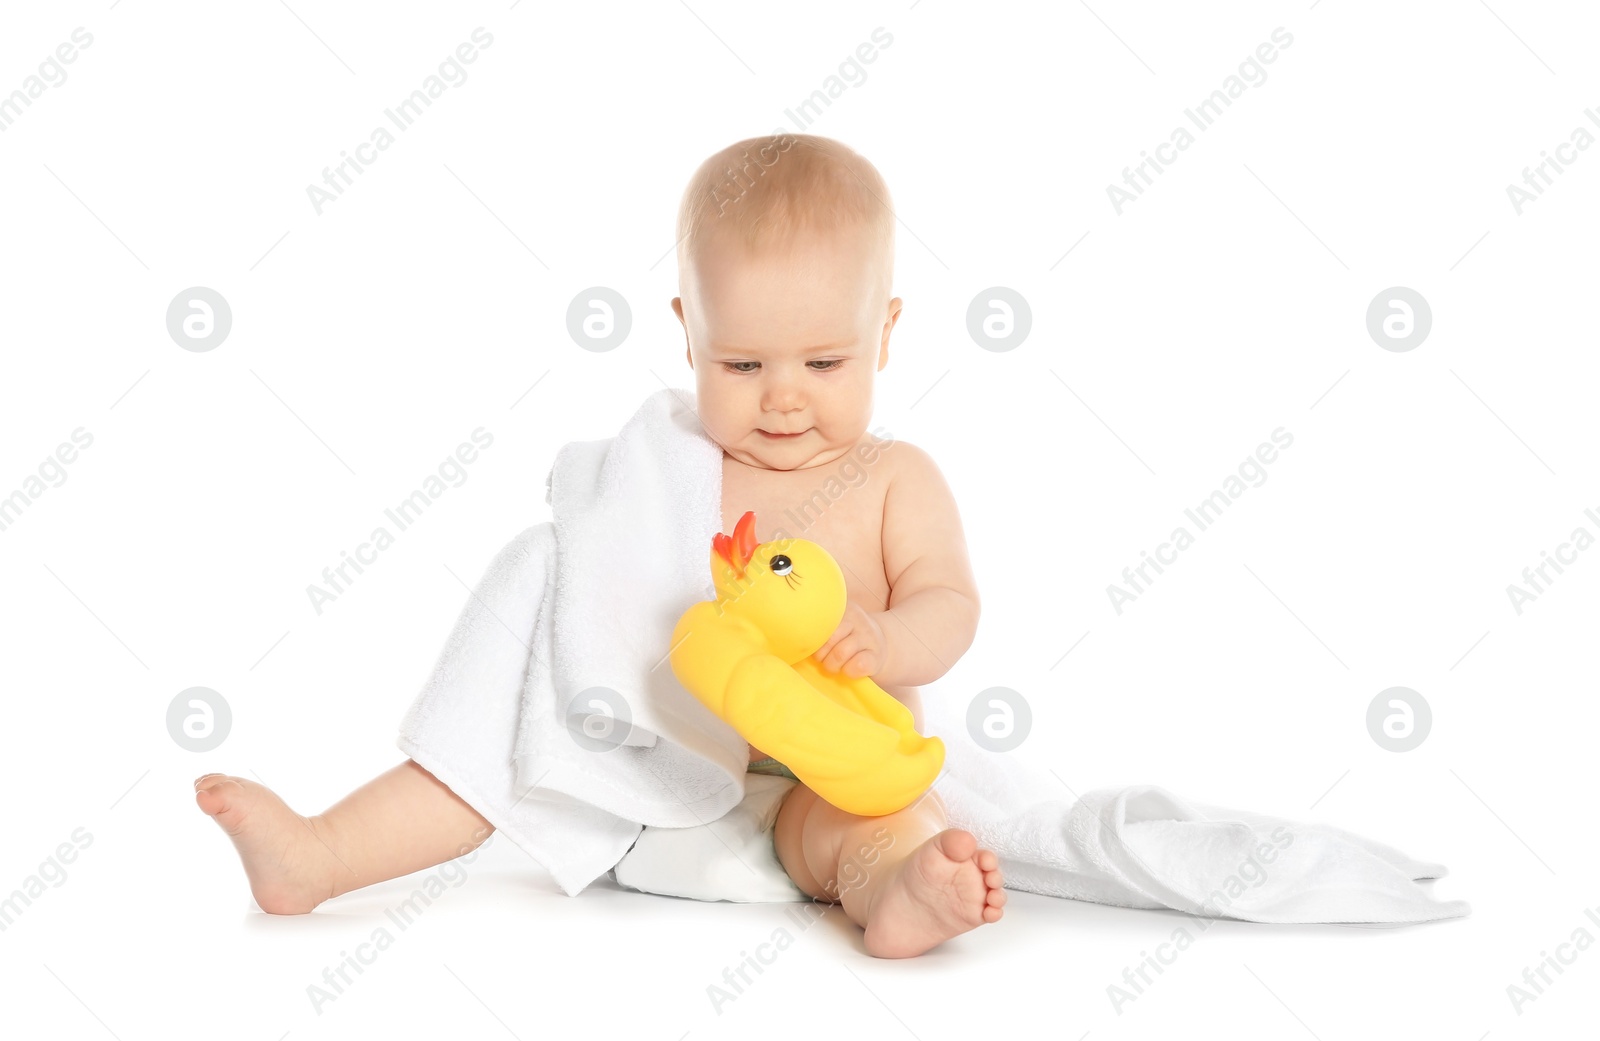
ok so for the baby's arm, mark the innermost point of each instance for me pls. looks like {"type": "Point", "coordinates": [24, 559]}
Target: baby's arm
{"type": "Point", "coordinates": [933, 598]}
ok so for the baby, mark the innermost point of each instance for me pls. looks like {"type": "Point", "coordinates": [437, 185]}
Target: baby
{"type": "Point", "coordinates": [785, 259]}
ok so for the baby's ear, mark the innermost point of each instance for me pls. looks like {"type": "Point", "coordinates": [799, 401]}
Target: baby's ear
{"type": "Point", "coordinates": [895, 307]}
{"type": "Point", "coordinates": [677, 309]}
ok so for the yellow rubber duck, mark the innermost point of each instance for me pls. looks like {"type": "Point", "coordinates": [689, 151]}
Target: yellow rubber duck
{"type": "Point", "coordinates": [747, 655]}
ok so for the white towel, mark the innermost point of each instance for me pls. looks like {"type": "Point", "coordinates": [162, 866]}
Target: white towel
{"type": "Point", "coordinates": [590, 599]}
{"type": "Point", "coordinates": [634, 518]}
{"type": "Point", "coordinates": [463, 724]}
{"type": "Point", "coordinates": [1142, 846]}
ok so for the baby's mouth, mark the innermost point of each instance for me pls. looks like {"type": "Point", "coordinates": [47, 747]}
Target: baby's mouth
{"type": "Point", "coordinates": [782, 437]}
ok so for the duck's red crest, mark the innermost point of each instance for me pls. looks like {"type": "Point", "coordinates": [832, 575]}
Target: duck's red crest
{"type": "Point", "coordinates": [738, 549]}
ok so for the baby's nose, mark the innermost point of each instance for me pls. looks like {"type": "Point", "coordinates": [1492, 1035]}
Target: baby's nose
{"type": "Point", "coordinates": [785, 398]}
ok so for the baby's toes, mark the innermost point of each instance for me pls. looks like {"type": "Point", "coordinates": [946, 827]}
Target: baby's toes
{"type": "Point", "coordinates": [213, 787]}
{"type": "Point", "coordinates": [956, 844]}
{"type": "Point", "coordinates": [993, 881]}
{"type": "Point", "coordinates": [222, 797]}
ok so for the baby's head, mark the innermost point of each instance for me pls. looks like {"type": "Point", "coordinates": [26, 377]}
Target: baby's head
{"type": "Point", "coordinates": [785, 262]}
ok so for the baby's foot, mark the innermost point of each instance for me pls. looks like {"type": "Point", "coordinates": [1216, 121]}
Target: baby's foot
{"type": "Point", "coordinates": [286, 862]}
{"type": "Point", "coordinates": [944, 888]}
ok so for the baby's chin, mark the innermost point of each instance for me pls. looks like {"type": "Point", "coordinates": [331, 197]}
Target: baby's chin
{"type": "Point", "coordinates": [798, 453]}
{"type": "Point", "coordinates": [766, 460]}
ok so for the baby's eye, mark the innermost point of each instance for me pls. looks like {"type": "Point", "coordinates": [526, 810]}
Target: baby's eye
{"type": "Point", "coordinates": [830, 364]}
{"type": "Point", "coordinates": [732, 365]}
{"type": "Point", "coordinates": [781, 565]}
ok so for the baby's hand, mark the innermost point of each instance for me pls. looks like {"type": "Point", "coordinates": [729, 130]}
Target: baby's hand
{"type": "Point", "coordinates": [857, 648]}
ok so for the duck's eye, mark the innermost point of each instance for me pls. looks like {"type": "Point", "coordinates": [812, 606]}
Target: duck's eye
{"type": "Point", "coordinates": [781, 565]}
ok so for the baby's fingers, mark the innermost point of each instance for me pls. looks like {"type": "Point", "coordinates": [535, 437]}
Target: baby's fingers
{"type": "Point", "coordinates": [840, 653]}
{"type": "Point", "coordinates": [832, 643]}
{"type": "Point", "coordinates": [860, 664]}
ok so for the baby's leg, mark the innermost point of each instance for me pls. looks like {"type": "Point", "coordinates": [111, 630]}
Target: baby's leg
{"type": "Point", "coordinates": [907, 878]}
{"type": "Point", "coordinates": [401, 821]}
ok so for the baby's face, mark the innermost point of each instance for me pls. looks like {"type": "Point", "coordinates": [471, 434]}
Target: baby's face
{"type": "Point", "coordinates": [787, 342]}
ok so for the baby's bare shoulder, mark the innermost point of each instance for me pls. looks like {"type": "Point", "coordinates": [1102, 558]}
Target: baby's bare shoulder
{"type": "Point", "coordinates": [913, 470]}
{"type": "Point", "coordinates": [922, 531]}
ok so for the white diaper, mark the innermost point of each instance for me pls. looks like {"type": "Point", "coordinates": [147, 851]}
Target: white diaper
{"type": "Point", "coordinates": [731, 858]}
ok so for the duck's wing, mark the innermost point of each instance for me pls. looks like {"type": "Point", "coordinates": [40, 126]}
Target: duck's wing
{"type": "Point", "coordinates": [861, 695]}
{"type": "Point", "coordinates": [857, 763]}
{"type": "Point", "coordinates": [782, 714]}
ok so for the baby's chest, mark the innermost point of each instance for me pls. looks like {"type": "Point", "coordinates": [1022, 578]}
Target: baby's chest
{"type": "Point", "coordinates": [845, 520]}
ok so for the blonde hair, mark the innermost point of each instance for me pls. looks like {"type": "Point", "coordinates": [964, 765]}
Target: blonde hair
{"type": "Point", "coordinates": [767, 190]}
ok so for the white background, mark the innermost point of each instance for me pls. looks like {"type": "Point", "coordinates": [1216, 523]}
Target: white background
{"type": "Point", "coordinates": [1167, 342]}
